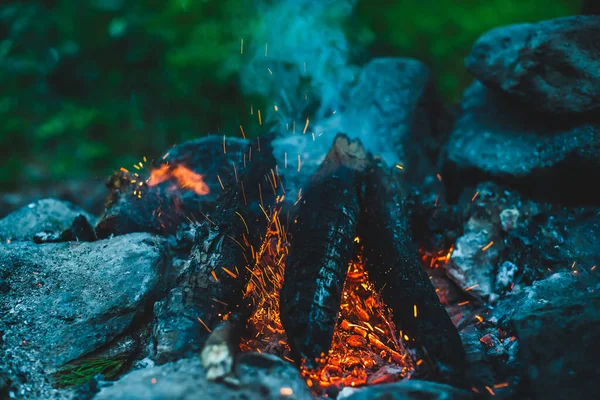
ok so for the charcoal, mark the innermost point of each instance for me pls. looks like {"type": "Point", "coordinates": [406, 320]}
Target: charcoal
{"type": "Point", "coordinates": [550, 66]}
{"type": "Point", "coordinates": [47, 217]}
{"type": "Point", "coordinates": [163, 207]}
{"type": "Point", "coordinates": [322, 246]}
{"type": "Point", "coordinates": [391, 260]}
{"type": "Point", "coordinates": [496, 139]}
{"type": "Point", "coordinates": [66, 300]}
{"type": "Point", "coordinates": [81, 230]}
{"type": "Point", "coordinates": [212, 285]}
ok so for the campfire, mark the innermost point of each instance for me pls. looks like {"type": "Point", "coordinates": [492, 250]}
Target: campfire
{"type": "Point", "coordinates": [327, 286]}
{"type": "Point", "coordinates": [366, 347]}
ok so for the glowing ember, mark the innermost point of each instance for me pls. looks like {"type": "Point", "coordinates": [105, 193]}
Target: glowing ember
{"type": "Point", "coordinates": [366, 348]}
{"type": "Point", "coordinates": [185, 177]}
{"type": "Point", "coordinates": [437, 260]}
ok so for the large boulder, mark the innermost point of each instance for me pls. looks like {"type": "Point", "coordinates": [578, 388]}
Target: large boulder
{"type": "Point", "coordinates": [552, 66]}
{"type": "Point", "coordinates": [48, 216]}
{"type": "Point", "coordinates": [255, 376]}
{"type": "Point", "coordinates": [496, 139]}
{"type": "Point", "coordinates": [62, 301]}
{"type": "Point", "coordinates": [135, 206]}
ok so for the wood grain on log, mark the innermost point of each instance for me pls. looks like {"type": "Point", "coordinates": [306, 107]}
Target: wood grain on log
{"type": "Point", "coordinates": [322, 245]}
{"type": "Point", "coordinates": [225, 243]}
{"type": "Point", "coordinates": [391, 260]}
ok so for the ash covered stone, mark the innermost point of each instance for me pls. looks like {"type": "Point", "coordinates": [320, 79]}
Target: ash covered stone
{"type": "Point", "coordinates": [406, 390]}
{"type": "Point", "coordinates": [256, 376]}
{"type": "Point", "coordinates": [46, 218]}
{"type": "Point", "coordinates": [551, 66]}
{"type": "Point", "coordinates": [67, 300]}
{"type": "Point", "coordinates": [484, 260]}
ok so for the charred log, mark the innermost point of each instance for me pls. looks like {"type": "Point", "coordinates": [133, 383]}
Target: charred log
{"type": "Point", "coordinates": [136, 204]}
{"type": "Point", "coordinates": [393, 265]}
{"type": "Point", "coordinates": [322, 246]}
{"type": "Point", "coordinates": [225, 243]}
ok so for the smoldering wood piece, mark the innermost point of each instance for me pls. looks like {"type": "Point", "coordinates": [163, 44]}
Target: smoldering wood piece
{"type": "Point", "coordinates": [391, 260]}
{"type": "Point", "coordinates": [223, 246]}
{"type": "Point", "coordinates": [322, 245]}
{"type": "Point", "coordinates": [163, 207]}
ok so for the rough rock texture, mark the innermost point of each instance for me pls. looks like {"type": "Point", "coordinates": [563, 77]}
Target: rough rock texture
{"type": "Point", "coordinates": [256, 376]}
{"type": "Point", "coordinates": [552, 66]}
{"type": "Point", "coordinates": [559, 239]}
{"type": "Point", "coordinates": [494, 138]}
{"type": "Point", "coordinates": [48, 216]}
{"type": "Point", "coordinates": [392, 108]}
{"type": "Point", "coordinates": [477, 263]}
{"type": "Point", "coordinates": [62, 301]}
{"type": "Point", "coordinates": [176, 331]}
{"type": "Point", "coordinates": [556, 321]}
{"type": "Point", "coordinates": [395, 111]}
{"type": "Point", "coordinates": [163, 207]}
{"type": "Point", "coordinates": [407, 390]}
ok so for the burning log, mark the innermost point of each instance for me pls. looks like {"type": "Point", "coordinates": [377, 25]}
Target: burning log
{"type": "Point", "coordinates": [226, 243]}
{"type": "Point", "coordinates": [321, 249]}
{"type": "Point", "coordinates": [393, 265]}
{"type": "Point", "coordinates": [182, 185]}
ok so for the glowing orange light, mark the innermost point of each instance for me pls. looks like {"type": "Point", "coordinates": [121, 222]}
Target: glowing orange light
{"type": "Point", "coordinates": [185, 177]}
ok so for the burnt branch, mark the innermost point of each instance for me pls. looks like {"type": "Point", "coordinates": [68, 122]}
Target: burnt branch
{"type": "Point", "coordinates": [226, 242]}
{"type": "Point", "coordinates": [391, 259]}
{"type": "Point", "coordinates": [322, 247]}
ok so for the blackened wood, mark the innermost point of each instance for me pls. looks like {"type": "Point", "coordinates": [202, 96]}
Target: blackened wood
{"type": "Point", "coordinates": [224, 244]}
{"type": "Point", "coordinates": [322, 245]}
{"type": "Point", "coordinates": [391, 260]}
{"type": "Point", "coordinates": [161, 209]}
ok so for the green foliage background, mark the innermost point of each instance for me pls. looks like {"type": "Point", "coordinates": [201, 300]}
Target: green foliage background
{"type": "Point", "coordinates": [89, 85]}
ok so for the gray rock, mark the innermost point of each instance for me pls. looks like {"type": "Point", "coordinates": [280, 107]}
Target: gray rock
{"type": "Point", "coordinates": [560, 239]}
{"type": "Point", "coordinates": [67, 300]}
{"type": "Point", "coordinates": [393, 108]}
{"type": "Point", "coordinates": [256, 376]}
{"type": "Point", "coordinates": [496, 209]}
{"type": "Point", "coordinates": [494, 138]}
{"type": "Point", "coordinates": [506, 275]}
{"type": "Point", "coordinates": [408, 390]}
{"type": "Point", "coordinates": [552, 65]}
{"type": "Point", "coordinates": [472, 265]}
{"type": "Point", "coordinates": [557, 322]}
{"type": "Point", "coordinates": [48, 216]}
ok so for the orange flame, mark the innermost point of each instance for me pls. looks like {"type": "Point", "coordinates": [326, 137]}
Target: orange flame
{"type": "Point", "coordinates": [185, 177]}
{"type": "Point", "coordinates": [366, 347]}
